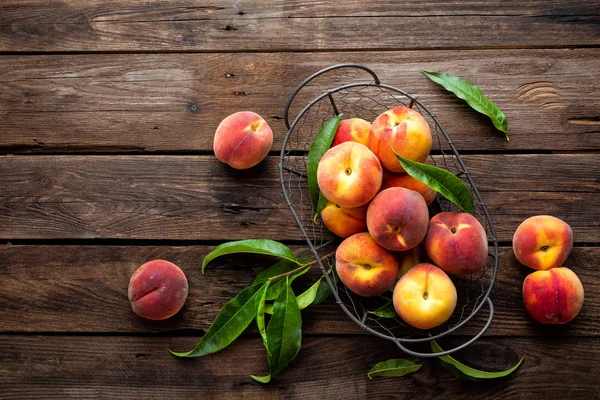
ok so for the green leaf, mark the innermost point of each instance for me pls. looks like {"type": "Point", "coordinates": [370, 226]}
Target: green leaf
{"type": "Point", "coordinates": [472, 95]}
{"type": "Point", "coordinates": [306, 299]}
{"type": "Point", "coordinates": [232, 320]}
{"type": "Point", "coordinates": [442, 181]}
{"type": "Point", "coordinates": [393, 367]}
{"type": "Point", "coordinates": [320, 206]}
{"type": "Point", "coordinates": [260, 315]}
{"type": "Point", "coordinates": [284, 332]}
{"type": "Point", "coordinates": [324, 290]}
{"type": "Point", "coordinates": [385, 311]}
{"type": "Point", "coordinates": [319, 147]}
{"type": "Point", "coordinates": [256, 246]}
{"type": "Point", "coordinates": [461, 371]}
{"type": "Point", "coordinates": [262, 379]}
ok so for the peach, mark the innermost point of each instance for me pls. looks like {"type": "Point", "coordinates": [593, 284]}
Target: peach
{"type": "Point", "coordinates": [406, 181]}
{"type": "Point", "coordinates": [409, 258]}
{"type": "Point", "coordinates": [425, 297]}
{"type": "Point", "coordinates": [543, 242]}
{"type": "Point", "coordinates": [352, 130]}
{"type": "Point", "coordinates": [401, 130]}
{"type": "Point", "coordinates": [456, 242]}
{"type": "Point", "coordinates": [553, 296]}
{"type": "Point", "coordinates": [242, 140]}
{"type": "Point", "coordinates": [397, 218]}
{"type": "Point", "coordinates": [349, 175]}
{"type": "Point", "coordinates": [344, 222]}
{"type": "Point", "coordinates": [157, 290]}
{"type": "Point", "coordinates": [365, 267]}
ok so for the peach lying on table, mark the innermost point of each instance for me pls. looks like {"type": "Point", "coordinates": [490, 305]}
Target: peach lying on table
{"type": "Point", "coordinates": [543, 242]}
{"type": "Point", "coordinates": [157, 290]}
{"type": "Point", "coordinates": [401, 130]}
{"type": "Point", "coordinates": [365, 267]}
{"type": "Point", "coordinates": [242, 140]}
{"type": "Point", "coordinates": [554, 296]}
{"type": "Point", "coordinates": [349, 175]}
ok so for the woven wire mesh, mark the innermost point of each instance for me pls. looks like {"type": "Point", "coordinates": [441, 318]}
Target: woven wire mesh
{"type": "Point", "coordinates": [368, 100]}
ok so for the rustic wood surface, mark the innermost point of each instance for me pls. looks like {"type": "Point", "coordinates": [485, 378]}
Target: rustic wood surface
{"type": "Point", "coordinates": [107, 113]}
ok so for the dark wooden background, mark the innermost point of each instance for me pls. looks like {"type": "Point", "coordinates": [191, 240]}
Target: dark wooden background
{"type": "Point", "coordinates": [107, 114]}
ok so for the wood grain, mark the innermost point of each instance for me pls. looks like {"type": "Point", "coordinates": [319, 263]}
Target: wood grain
{"type": "Point", "coordinates": [84, 289]}
{"type": "Point", "coordinates": [330, 367]}
{"type": "Point", "coordinates": [199, 198]}
{"type": "Point", "coordinates": [218, 25]}
{"type": "Point", "coordinates": [143, 103]}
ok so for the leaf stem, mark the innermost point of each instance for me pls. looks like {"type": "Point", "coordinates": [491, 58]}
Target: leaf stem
{"type": "Point", "coordinates": [300, 268]}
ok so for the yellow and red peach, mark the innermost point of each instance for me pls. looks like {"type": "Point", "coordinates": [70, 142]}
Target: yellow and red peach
{"type": "Point", "coordinates": [409, 258]}
{"type": "Point", "coordinates": [425, 297]}
{"type": "Point", "coordinates": [553, 296]}
{"type": "Point", "coordinates": [401, 130]}
{"type": "Point", "coordinates": [344, 222]}
{"type": "Point", "coordinates": [349, 175]}
{"type": "Point", "coordinates": [543, 242]}
{"type": "Point", "coordinates": [242, 140]}
{"type": "Point", "coordinates": [157, 290]}
{"type": "Point", "coordinates": [365, 267]}
{"type": "Point", "coordinates": [457, 243]}
{"type": "Point", "coordinates": [352, 130]}
{"type": "Point", "coordinates": [397, 218]}
{"type": "Point", "coordinates": [391, 179]}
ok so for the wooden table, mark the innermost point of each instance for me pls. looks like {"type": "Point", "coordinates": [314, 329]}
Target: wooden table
{"type": "Point", "coordinates": [107, 114]}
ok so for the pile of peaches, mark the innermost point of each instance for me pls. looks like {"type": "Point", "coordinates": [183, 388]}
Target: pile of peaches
{"type": "Point", "coordinates": [382, 213]}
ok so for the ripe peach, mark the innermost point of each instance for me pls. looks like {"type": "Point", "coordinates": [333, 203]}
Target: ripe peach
{"type": "Point", "coordinates": [344, 222]}
{"type": "Point", "coordinates": [543, 242]}
{"type": "Point", "coordinates": [554, 296]}
{"type": "Point", "coordinates": [157, 290]}
{"type": "Point", "coordinates": [397, 218]}
{"type": "Point", "coordinates": [242, 140]}
{"type": "Point", "coordinates": [456, 242]}
{"type": "Point", "coordinates": [410, 258]}
{"type": "Point", "coordinates": [406, 181]}
{"type": "Point", "coordinates": [425, 297]}
{"type": "Point", "coordinates": [405, 131]}
{"type": "Point", "coordinates": [349, 175]}
{"type": "Point", "coordinates": [352, 130]}
{"type": "Point", "coordinates": [365, 267]}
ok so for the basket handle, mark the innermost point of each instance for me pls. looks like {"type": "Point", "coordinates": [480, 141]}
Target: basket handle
{"type": "Point", "coordinates": [457, 348]}
{"type": "Point", "coordinates": [316, 74]}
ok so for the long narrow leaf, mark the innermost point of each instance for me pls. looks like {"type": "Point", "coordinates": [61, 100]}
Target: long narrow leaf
{"type": "Point", "coordinates": [472, 95]}
{"type": "Point", "coordinates": [394, 367]}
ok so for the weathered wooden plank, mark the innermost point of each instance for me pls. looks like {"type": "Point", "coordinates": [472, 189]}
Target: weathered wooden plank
{"type": "Point", "coordinates": [219, 25]}
{"type": "Point", "coordinates": [84, 289]}
{"type": "Point", "coordinates": [199, 198]}
{"type": "Point", "coordinates": [326, 367]}
{"type": "Point", "coordinates": [138, 103]}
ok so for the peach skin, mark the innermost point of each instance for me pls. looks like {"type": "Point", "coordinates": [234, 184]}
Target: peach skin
{"type": "Point", "coordinates": [242, 140]}
{"type": "Point", "coordinates": [397, 218]}
{"type": "Point", "coordinates": [554, 296]}
{"type": "Point", "coordinates": [352, 130]}
{"type": "Point", "coordinates": [391, 179]}
{"type": "Point", "coordinates": [401, 130]}
{"type": "Point", "coordinates": [457, 243]}
{"type": "Point", "coordinates": [344, 222]}
{"type": "Point", "coordinates": [425, 297]}
{"type": "Point", "coordinates": [409, 258]}
{"type": "Point", "coordinates": [543, 242]}
{"type": "Point", "coordinates": [157, 290]}
{"type": "Point", "coordinates": [349, 175]}
{"type": "Point", "coordinates": [365, 267]}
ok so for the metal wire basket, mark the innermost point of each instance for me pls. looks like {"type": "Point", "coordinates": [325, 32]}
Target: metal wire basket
{"type": "Point", "coordinates": [367, 100]}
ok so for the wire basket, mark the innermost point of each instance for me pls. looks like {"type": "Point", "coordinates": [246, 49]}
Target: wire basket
{"type": "Point", "coordinates": [367, 100]}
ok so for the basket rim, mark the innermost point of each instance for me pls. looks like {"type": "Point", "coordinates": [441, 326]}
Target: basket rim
{"type": "Point", "coordinates": [485, 299]}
